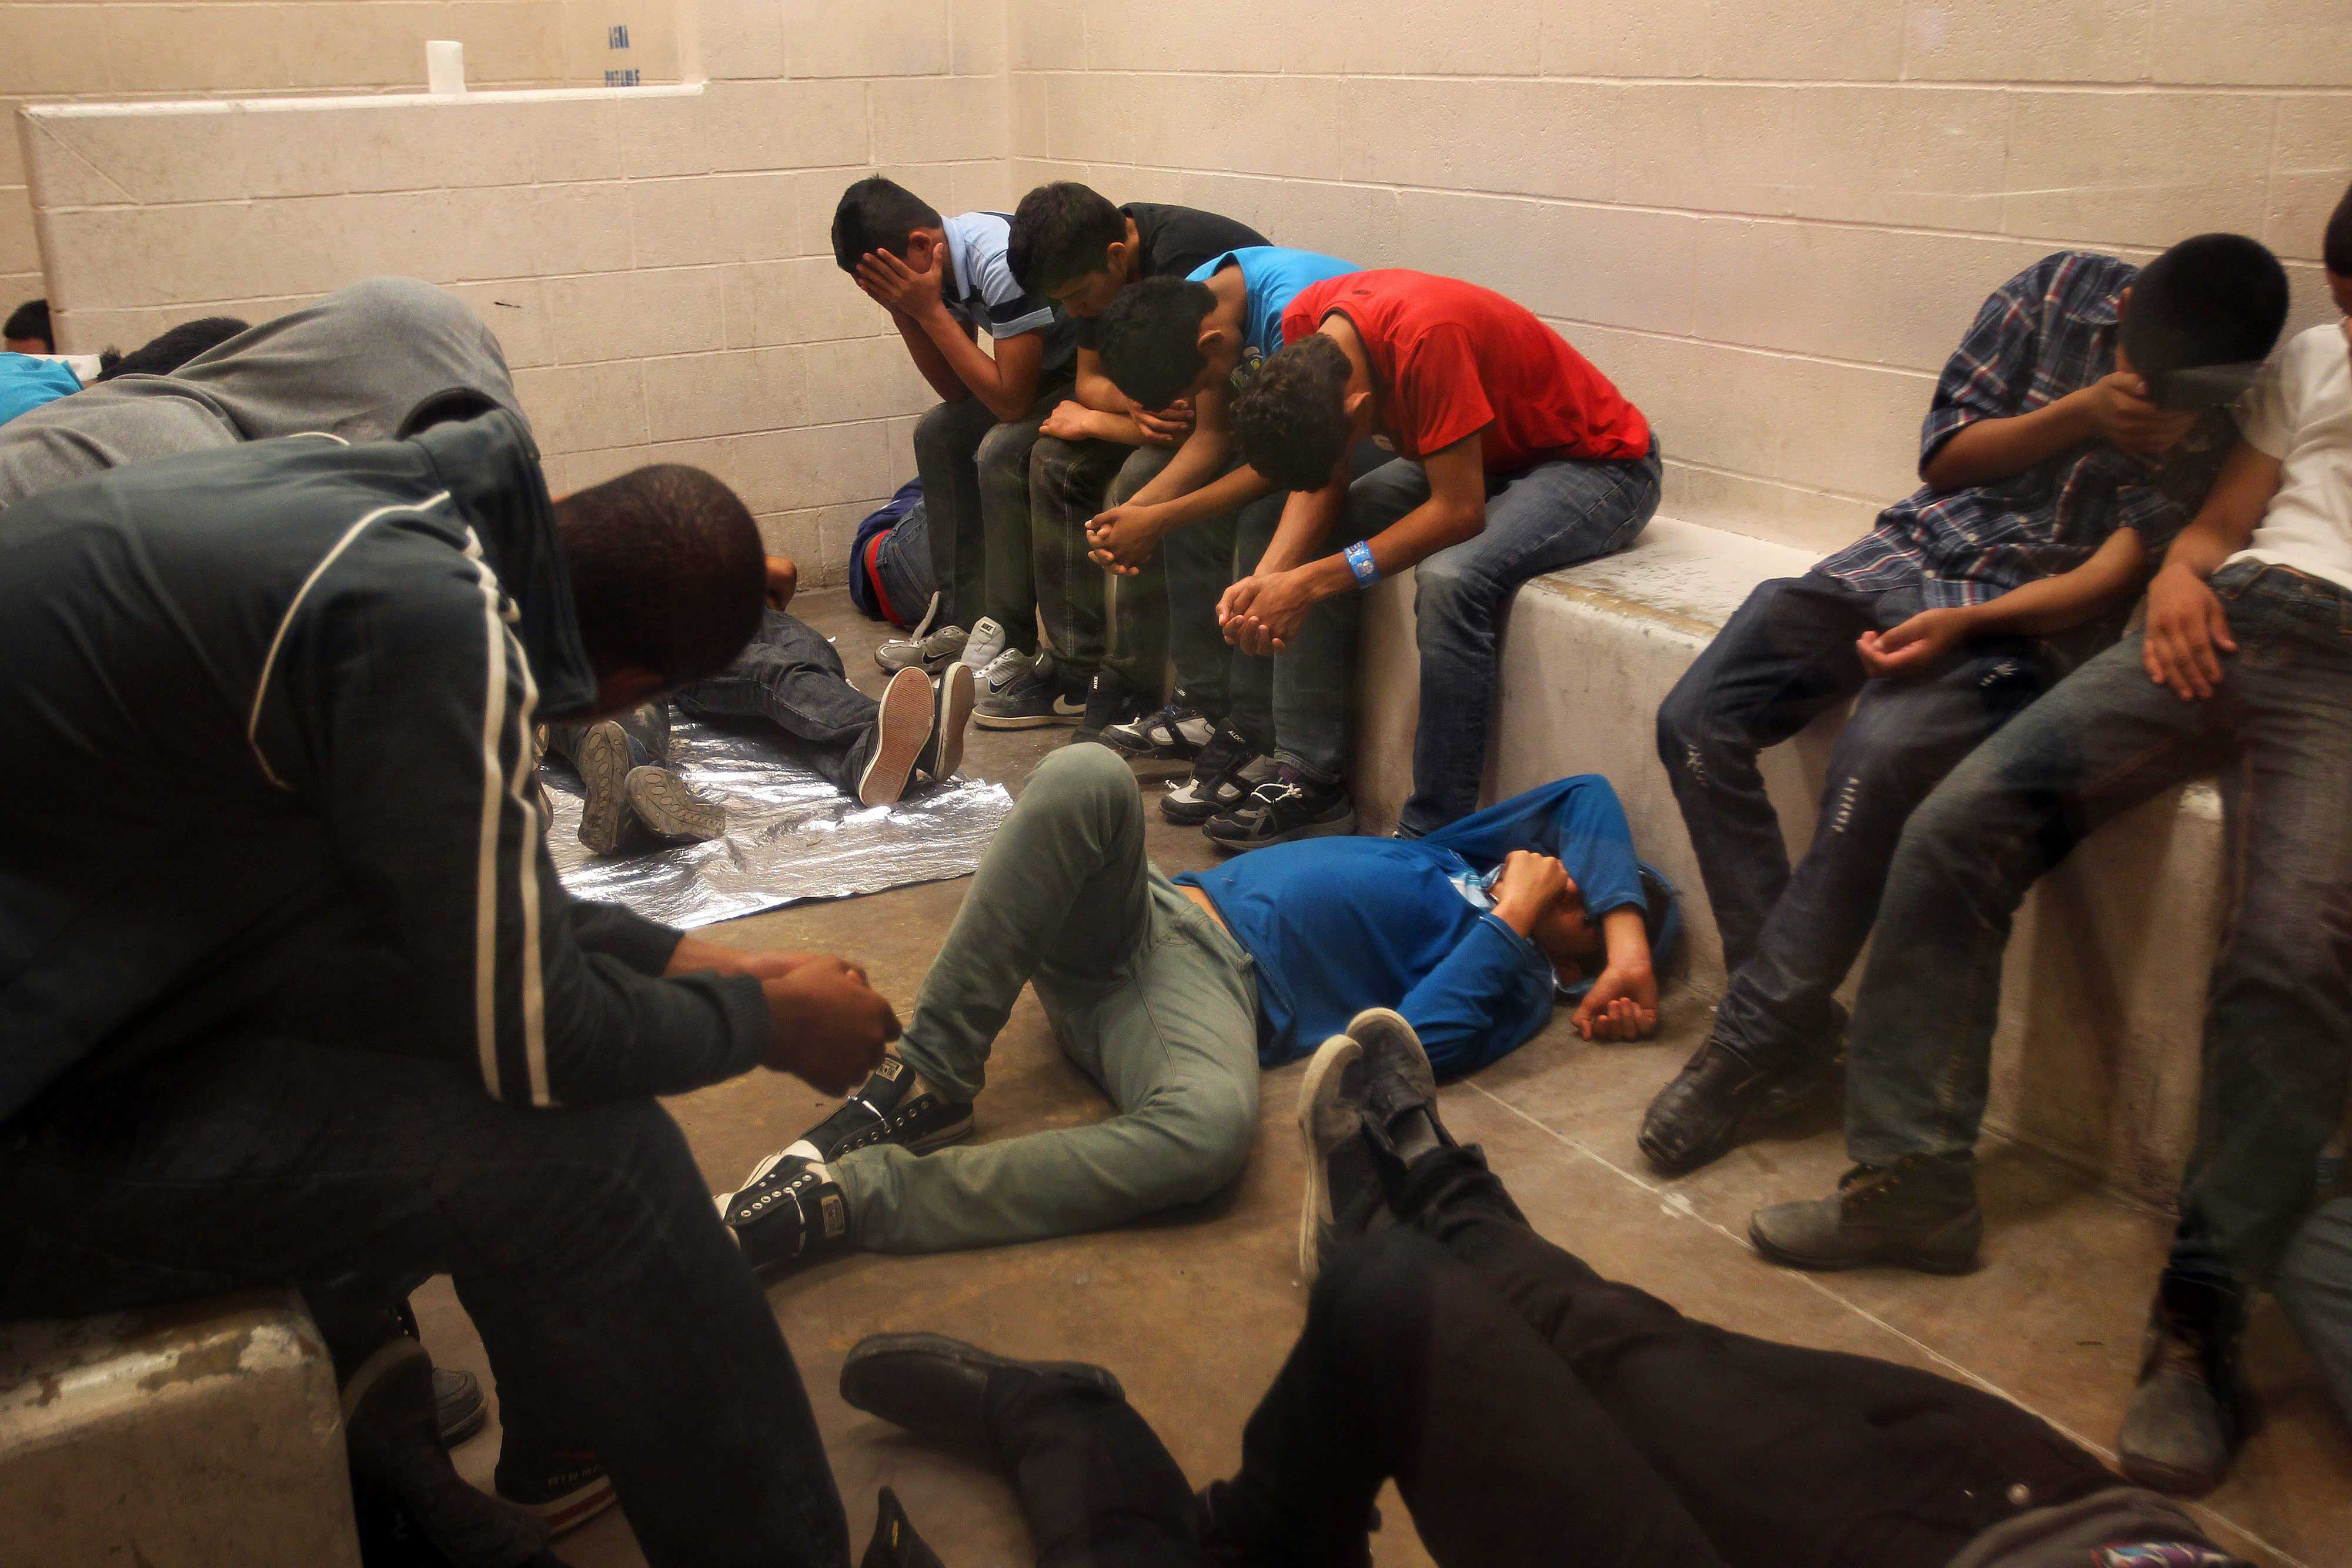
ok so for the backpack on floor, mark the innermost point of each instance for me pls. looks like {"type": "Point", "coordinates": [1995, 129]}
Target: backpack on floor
{"type": "Point", "coordinates": [890, 563]}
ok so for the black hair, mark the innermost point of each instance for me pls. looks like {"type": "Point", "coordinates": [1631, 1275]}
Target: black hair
{"type": "Point", "coordinates": [877, 213]}
{"type": "Point", "coordinates": [2216, 299]}
{"type": "Point", "coordinates": [667, 571]}
{"type": "Point", "coordinates": [1291, 422]}
{"type": "Point", "coordinates": [169, 349]}
{"type": "Point", "coordinates": [30, 319]}
{"type": "Point", "coordinates": [1060, 232]}
{"type": "Point", "coordinates": [1150, 339]}
{"type": "Point", "coordinates": [2335, 249]}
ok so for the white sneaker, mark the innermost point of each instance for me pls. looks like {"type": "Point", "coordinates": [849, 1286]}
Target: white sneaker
{"type": "Point", "coordinates": [985, 644]}
{"type": "Point", "coordinates": [931, 652]}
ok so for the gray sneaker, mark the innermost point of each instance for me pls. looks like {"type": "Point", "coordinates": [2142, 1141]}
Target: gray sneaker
{"type": "Point", "coordinates": [986, 646]}
{"type": "Point", "coordinates": [931, 652]}
{"type": "Point", "coordinates": [1330, 1107]}
{"type": "Point", "coordinates": [1021, 693]}
{"type": "Point", "coordinates": [668, 809]}
{"type": "Point", "coordinates": [902, 731]}
{"type": "Point", "coordinates": [1920, 1212]}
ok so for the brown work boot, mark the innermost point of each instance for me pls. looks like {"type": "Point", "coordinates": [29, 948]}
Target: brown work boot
{"type": "Point", "coordinates": [1920, 1212]}
{"type": "Point", "coordinates": [2182, 1426]}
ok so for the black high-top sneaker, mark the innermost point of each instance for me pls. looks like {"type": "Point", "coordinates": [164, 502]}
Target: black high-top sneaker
{"type": "Point", "coordinates": [1111, 704]}
{"type": "Point", "coordinates": [1919, 1212]}
{"type": "Point", "coordinates": [1224, 772]}
{"type": "Point", "coordinates": [893, 1106]}
{"type": "Point", "coordinates": [2182, 1426]}
{"type": "Point", "coordinates": [788, 1212]}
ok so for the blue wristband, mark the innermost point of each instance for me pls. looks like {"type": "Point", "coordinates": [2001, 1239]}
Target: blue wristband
{"type": "Point", "coordinates": [1359, 562]}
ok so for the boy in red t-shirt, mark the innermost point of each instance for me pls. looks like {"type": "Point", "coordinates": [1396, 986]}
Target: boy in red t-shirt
{"type": "Point", "coordinates": [1515, 457]}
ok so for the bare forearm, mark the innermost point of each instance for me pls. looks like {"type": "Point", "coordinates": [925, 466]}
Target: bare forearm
{"type": "Point", "coordinates": [1995, 449]}
{"type": "Point", "coordinates": [2113, 573]}
{"type": "Point", "coordinates": [1095, 390]}
{"type": "Point", "coordinates": [1625, 936]}
{"type": "Point", "coordinates": [1196, 464]}
{"type": "Point", "coordinates": [1007, 396]}
{"type": "Point", "coordinates": [928, 358]}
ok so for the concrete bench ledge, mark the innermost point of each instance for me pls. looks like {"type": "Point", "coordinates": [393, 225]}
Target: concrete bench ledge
{"type": "Point", "coordinates": [2096, 1061]}
{"type": "Point", "coordinates": [206, 1436]}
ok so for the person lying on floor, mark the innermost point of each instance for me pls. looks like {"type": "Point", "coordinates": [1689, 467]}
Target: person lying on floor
{"type": "Point", "coordinates": [1171, 993]}
{"type": "Point", "coordinates": [790, 675]}
{"type": "Point", "coordinates": [27, 382]}
{"type": "Point", "coordinates": [1532, 1411]}
{"type": "Point", "coordinates": [366, 364]}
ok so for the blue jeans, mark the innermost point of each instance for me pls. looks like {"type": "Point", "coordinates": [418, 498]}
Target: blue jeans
{"type": "Point", "coordinates": [617, 1310]}
{"type": "Point", "coordinates": [791, 676]}
{"type": "Point", "coordinates": [1784, 659]}
{"type": "Point", "coordinates": [2278, 1024]}
{"type": "Point", "coordinates": [1553, 515]}
{"type": "Point", "coordinates": [2315, 1286]}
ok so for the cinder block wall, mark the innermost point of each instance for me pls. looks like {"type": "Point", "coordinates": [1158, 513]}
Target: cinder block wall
{"type": "Point", "coordinates": [129, 49]}
{"type": "Point", "coordinates": [656, 260]}
{"type": "Point", "coordinates": [1767, 219]}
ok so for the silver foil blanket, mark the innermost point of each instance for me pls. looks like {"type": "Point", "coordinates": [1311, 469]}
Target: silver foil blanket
{"type": "Point", "coordinates": [790, 835]}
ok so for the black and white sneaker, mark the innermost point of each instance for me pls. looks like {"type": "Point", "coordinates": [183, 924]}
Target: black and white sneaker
{"type": "Point", "coordinates": [563, 1488]}
{"type": "Point", "coordinates": [893, 1106]}
{"type": "Point", "coordinates": [953, 695]}
{"type": "Point", "coordinates": [1111, 704]}
{"type": "Point", "coordinates": [788, 1210]}
{"type": "Point", "coordinates": [902, 729]}
{"type": "Point", "coordinates": [1283, 809]}
{"type": "Point", "coordinates": [1176, 731]}
{"type": "Point", "coordinates": [1223, 774]}
{"type": "Point", "coordinates": [1330, 1108]}
{"type": "Point", "coordinates": [1026, 698]}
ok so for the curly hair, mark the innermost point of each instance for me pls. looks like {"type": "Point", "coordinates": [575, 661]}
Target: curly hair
{"type": "Point", "coordinates": [1292, 422]}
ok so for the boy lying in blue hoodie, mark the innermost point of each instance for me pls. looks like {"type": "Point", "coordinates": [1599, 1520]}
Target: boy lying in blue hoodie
{"type": "Point", "coordinates": [1171, 993]}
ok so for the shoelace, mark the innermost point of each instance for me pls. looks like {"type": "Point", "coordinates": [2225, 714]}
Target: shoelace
{"type": "Point", "coordinates": [1274, 792]}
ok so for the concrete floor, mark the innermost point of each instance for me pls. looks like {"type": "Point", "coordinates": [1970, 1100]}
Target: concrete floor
{"type": "Point", "coordinates": [1196, 1313]}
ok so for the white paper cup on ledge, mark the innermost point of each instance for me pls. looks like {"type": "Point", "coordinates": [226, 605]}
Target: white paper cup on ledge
{"type": "Point", "coordinates": [445, 66]}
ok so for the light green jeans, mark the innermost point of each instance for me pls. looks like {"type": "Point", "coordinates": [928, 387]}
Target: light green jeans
{"type": "Point", "coordinates": [1147, 995]}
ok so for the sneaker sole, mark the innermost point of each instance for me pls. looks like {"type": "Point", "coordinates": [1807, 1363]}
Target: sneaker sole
{"type": "Point", "coordinates": [1315, 1205]}
{"type": "Point", "coordinates": [1914, 1257]}
{"type": "Point", "coordinates": [958, 697]}
{"type": "Point", "coordinates": [663, 804]}
{"type": "Point", "coordinates": [570, 1511]}
{"type": "Point", "coordinates": [904, 721]}
{"type": "Point", "coordinates": [602, 758]}
{"type": "Point", "coordinates": [1338, 827]}
{"type": "Point", "coordinates": [1023, 720]}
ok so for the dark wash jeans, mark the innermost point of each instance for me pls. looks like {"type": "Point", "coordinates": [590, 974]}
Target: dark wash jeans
{"type": "Point", "coordinates": [1533, 1413]}
{"type": "Point", "coordinates": [975, 473]}
{"type": "Point", "coordinates": [1543, 518]}
{"type": "Point", "coordinates": [1070, 483]}
{"type": "Point", "coordinates": [791, 676]}
{"type": "Point", "coordinates": [617, 1310]}
{"type": "Point", "coordinates": [1784, 659]}
{"type": "Point", "coordinates": [2278, 1022]}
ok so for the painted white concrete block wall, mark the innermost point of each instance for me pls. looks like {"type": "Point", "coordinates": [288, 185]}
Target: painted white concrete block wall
{"type": "Point", "coordinates": [113, 50]}
{"type": "Point", "coordinates": [1768, 220]}
{"type": "Point", "coordinates": [656, 261]}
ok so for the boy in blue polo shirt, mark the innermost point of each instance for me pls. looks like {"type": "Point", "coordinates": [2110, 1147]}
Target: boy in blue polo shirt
{"type": "Point", "coordinates": [1198, 339]}
{"type": "Point", "coordinates": [1172, 993]}
{"type": "Point", "coordinates": [944, 280]}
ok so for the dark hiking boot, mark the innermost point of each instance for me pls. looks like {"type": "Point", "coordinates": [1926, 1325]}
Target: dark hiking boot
{"type": "Point", "coordinates": [937, 1387]}
{"type": "Point", "coordinates": [1919, 1212]}
{"type": "Point", "coordinates": [1696, 1117]}
{"type": "Point", "coordinates": [2182, 1426]}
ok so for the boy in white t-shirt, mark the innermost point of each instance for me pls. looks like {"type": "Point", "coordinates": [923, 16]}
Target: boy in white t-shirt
{"type": "Point", "coordinates": [2244, 667]}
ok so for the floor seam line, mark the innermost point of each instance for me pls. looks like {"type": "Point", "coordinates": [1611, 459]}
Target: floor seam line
{"type": "Point", "coordinates": [1676, 1203]}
